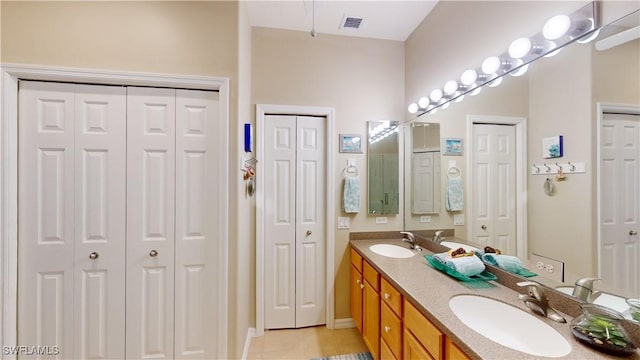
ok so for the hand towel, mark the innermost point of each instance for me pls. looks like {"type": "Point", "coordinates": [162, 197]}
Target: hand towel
{"type": "Point", "coordinates": [454, 197]}
{"type": "Point", "coordinates": [465, 265]}
{"type": "Point", "coordinates": [351, 195]}
{"type": "Point", "coordinates": [508, 263]}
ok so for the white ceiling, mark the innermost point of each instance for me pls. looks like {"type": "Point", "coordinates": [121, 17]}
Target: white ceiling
{"type": "Point", "coordinates": [388, 19]}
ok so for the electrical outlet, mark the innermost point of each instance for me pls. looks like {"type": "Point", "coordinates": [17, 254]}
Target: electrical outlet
{"type": "Point", "coordinates": [425, 219]}
{"type": "Point", "coordinates": [547, 267]}
{"type": "Point", "coordinates": [458, 219]}
{"type": "Point", "coordinates": [381, 220]}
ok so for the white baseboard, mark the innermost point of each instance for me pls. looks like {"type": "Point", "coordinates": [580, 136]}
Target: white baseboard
{"type": "Point", "coordinates": [251, 333]}
{"type": "Point", "coordinates": [344, 323]}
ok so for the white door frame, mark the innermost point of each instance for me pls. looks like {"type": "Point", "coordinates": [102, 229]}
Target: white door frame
{"type": "Point", "coordinates": [601, 108]}
{"type": "Point", "coordinates": [521, 173]}
{"type": "Point", "coordinates": [10, 74]}
{"type": "Point", "coordinates": [262, 110]}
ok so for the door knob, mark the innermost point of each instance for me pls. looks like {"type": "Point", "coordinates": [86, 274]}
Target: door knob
{"type": "Point", "coordinates": [632, 233]}
{"type": "Point", "coordinates": [308, 232]}
{"type": "Point", "coordinates": [483, 227]}
{"type": "Point", "coordinates": [94, 255]}
{"type": "Point", "coordinates": [387, 328]}
{"type": "Point", "coordinates": [153, 253]}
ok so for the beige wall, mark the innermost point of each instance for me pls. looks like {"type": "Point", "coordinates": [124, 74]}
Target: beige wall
{"type": "Point", "coordinates": [196, 38]}
{"type": "Point", "coordinates": [361, 78]}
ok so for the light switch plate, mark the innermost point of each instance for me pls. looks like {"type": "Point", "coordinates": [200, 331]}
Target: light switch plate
{"type": "Point", "coordinates": [343, 223]}
{"type": "Point", "coordinates": [425, 219]}
{"type": "Point", "coordinates": [381, 220]}
{"type": "Point", "coordinates": [458, 219]}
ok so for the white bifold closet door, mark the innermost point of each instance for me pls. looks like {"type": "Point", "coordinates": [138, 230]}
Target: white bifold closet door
{"type": "Point", "coordinates": [118, 211]}
{"type": "Point", "coordinates": [294, 191]}
{"type": "Point", "coordinates": [71, 271]}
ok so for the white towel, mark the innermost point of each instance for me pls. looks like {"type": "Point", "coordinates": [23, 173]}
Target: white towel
{"type": "Point", "coordinates": [351, 195]}
{"type": "Point", "coordinates": [454, 197]}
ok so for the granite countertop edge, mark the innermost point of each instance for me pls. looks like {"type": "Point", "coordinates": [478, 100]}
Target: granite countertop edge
{"type": "Point", "coordinates": [430, 290]}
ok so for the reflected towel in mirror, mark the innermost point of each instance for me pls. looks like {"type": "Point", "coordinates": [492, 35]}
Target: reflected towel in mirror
{"type": "Point", "coordinates": [351, 195]}
{"type": "Point", "coordinates": [454, 197]}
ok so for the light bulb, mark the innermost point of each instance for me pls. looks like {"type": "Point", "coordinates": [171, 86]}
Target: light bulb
{"type": "Point", "coordinates": [491, 65]}
{"type": "Point", "coordinates": [551, 45]}
{"type": "Point", "coordinates": [476, 91]}
{"type": "Point", "coordinates": [459, 98]}
{"type": "Point", "coordinates": [413, 108]}
{"type": "Point", "coordinates": [450, 87]}
{"type": "Point", "coordinates": [423, 102]}
{"type": "Point", "coordinates": [468, 77]}
{"type": "Point", "coordinates": [436, 95]}
{"type": "Point", "coordinates": [446, 105]}
{"type": "Point", "coordinates": [556, 27]}
{"type": "Point", "coordinates": [591, 36]}
{"type": "Point", "coordinates": [520, 47]}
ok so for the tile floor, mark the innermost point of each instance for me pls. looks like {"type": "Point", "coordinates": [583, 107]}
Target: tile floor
{"type": "Point", "coordinates": [306, 343]}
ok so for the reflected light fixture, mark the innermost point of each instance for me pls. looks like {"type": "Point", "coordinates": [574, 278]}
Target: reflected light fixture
{"type": "Point", "coordinates": [491, 65]}
{"type": "Point", "coordinates": [556, 27]}
{"type": "Point", "coordinates": [520, 47]}
{"type": "Point", "coordinates": [436, 95]}
{"type": "Point", "coordinates": [469, 77]}
{"type": "Point", "coordinates": [450, 87]}
{"type": "Point", "coordinates": [413, 108]}
{"type": "Point", "coordinates": [423, 102]}
{"type": "Point", "coordinates": [496, 81]}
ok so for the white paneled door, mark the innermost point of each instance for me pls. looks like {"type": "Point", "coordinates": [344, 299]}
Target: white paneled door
{"type": "Point", "coordinates": [494, 187]}
{"type": "Point", "coordinates": [118, 207]}
{"type": "Point", "coordinates": [72, 211]}
{"type": "Point", "coordinates": [295, 179]}
{"type": "Point", "coordinates": [620, 202]}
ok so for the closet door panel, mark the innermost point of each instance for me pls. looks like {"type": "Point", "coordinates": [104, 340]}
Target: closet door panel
{"type": "Point", "coordinates": [150, 222]}
{"type": "Point", "coordinates": [100, 217]}
{"type": "Point", "coordinates": [46, 216]}
{"type": "Point", "coordinates": [197, 219]}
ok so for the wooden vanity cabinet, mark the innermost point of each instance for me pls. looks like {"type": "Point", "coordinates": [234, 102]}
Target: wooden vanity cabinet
{"type": "Point", "coordinates": [453, 352]}
{"type": "Point", "coordinates": [390, 321]}
{"type": "Point", "coordinates": [371, 309]}
{"type": "Point", "coordinates": [356, 289]}
{"type": "Point", "coordinates": [419, 329]}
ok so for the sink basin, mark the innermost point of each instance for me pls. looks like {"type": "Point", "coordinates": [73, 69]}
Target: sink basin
{"type": "Point", "coordinates": [509, 326]}
{"type": "Point", "coordinates": [455, 245]}
{"type": "Point", "coordinates": [393, 251]}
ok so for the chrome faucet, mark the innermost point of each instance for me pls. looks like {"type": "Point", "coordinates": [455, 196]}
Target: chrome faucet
{"type": "Point", "coordinates": [537, 301]}
{"type": "Point", "coordinates": [411, 239]}
{"type": "Point", "coordinates": [583, 289]}
{"type": "Point", "coordinates": [437, 236]}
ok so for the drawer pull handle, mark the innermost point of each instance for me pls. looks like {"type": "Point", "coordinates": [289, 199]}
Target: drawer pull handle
{"type": "Point", "coordinates": [386, 329]}
{"type": "Point", "coordinates": [387, 296]}
{"type": "Point", "coordinates": [361, 286]}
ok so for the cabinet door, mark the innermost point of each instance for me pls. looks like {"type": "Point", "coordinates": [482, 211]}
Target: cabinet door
{"type": "Point", "coordinates": [371, 320]}
{"type": "Point", "coordinates": [452, 352]}
{"type": "Point", "coordinates": [385, 352]}
{"type": "Point", "coordinates": [413, 349]}
{"type": "Point", "coordinates": [356, 297]}
{"type": "Point", "coordinates": [150, 222]}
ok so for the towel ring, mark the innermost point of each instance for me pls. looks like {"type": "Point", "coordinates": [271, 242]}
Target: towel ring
{"type": "Point", "coordinates": [453, 171]}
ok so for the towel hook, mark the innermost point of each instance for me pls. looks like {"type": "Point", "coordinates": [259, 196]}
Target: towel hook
{"type": "Point", "coordinates": [559, 167]}
{"type": "Point", "coordinates": [573, 167]}
{"type": "Point", "coordinates": [548, 168]}
{"type": "Point", "coordinates": [537, 168]}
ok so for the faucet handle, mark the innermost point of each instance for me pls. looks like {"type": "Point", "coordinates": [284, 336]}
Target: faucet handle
{"type": "Point", "coordinates": [586, 282]}
{"type": "Point", "coordinates": [534, 289]}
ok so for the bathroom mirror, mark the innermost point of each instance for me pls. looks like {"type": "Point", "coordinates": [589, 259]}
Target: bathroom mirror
{"type": "Point", "coordinates": [383, 159]}
{"type": "Point", "coordinates": [563, 226]}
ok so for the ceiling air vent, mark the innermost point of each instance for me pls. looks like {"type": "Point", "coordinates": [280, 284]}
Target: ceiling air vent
{"type": "Point", "coordinates": [350, 22]}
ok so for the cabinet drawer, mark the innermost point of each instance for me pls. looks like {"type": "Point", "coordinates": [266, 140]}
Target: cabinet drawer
{"type": "Point", "coordinates": [453, 352]}
{"type": "Point", "coordinates": [424, 331]}
{"type": "Point", "coordinates": [371, 275]}
{"type": "Point", "coordinates": [356, 260]}
{"type": "Point", "coordinates": [391, 296]}
{"type": "Point", "coordinates": [391, 330]}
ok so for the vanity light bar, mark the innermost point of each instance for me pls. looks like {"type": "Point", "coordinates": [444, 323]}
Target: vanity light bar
{"type": "Point", "coordinates": [557, 32]}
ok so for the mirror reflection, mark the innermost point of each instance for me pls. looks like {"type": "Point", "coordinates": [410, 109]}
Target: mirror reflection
{"type": "Point", "coordinates": [565, 95]}
{"type": "Point", "coordinates": [384, 176]}
{"type": "Point", "coordinates": [425, 168]}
